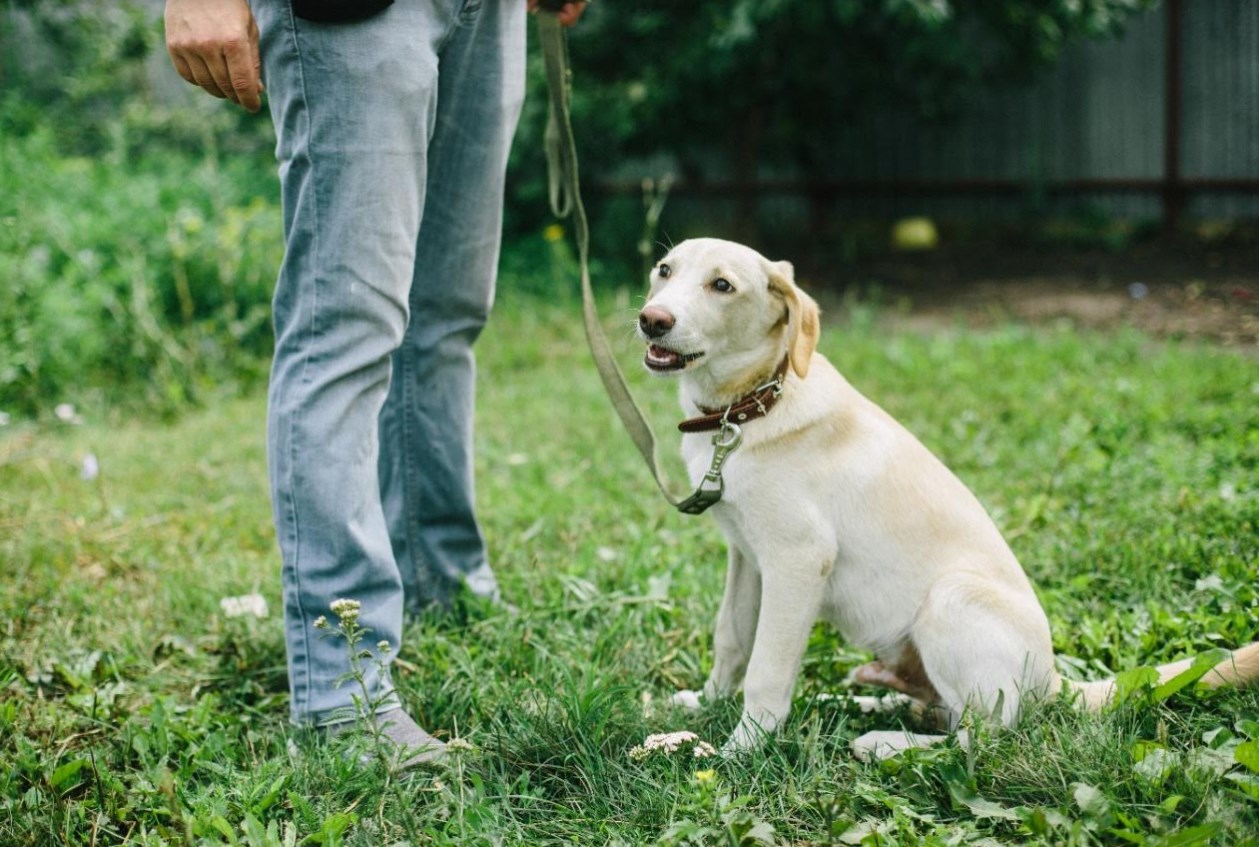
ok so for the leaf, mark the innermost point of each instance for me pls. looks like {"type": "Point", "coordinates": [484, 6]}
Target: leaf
{"type": "Point", "coordinates": [1156, 764]}
{"type": "Point", "coordinates": [254, 831]}
{"type": "Point", "coordinates": [1091, 800]}
{"type": "Point", "coordinates": [1218, 737]}
{"type": "Point", "coordinates": [1247, 753]}
{"type": "Point", "coordinates": [260, 806]}
{"type": "Point", "coordinates": [1187, 837]}
{"type": "Point", "coordinates": [1247, 783]}
{"type": "Point", "coordinates": [333, 826]}
{"type": "Point", "coordinates": [224, 828]}
{"type": "Point", "coordinates": [761, 832]}
{"type": "Point", "coordinates": [979, 806]}
{"type": "Point", "coordinates": [1211, 760]}
{"type": "Point", "coordinates": [1136, 681]}
{"type": "Point", "coordinates": [1201, 666]}
{"type": "Point", "coordinates": [1248, 728]}
{"type": "Point", "coordinates": [65, 773]}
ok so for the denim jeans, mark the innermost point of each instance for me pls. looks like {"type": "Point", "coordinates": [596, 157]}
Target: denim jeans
{"type": "Point", "coordinates": [392, 142]}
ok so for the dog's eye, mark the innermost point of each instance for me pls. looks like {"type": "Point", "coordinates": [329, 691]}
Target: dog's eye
{"type": "Point", "coordinates": [663, 270]}
{"type": "Point", "coordinates": [723, 285]}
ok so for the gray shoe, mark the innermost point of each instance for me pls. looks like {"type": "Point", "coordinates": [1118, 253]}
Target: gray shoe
{"type": "Point", "coordinates": [413, 746]}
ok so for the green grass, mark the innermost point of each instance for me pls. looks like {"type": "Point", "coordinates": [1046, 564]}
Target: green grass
{"type": "Point", "coordinates": [1123, 469]}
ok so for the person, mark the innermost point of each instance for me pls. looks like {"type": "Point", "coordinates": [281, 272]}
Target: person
{"type": "Point", "coordinates": [393, 123]}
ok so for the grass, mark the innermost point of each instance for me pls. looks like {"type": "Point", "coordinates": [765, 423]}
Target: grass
{"type": "Point", "coordinates": [133, 711]}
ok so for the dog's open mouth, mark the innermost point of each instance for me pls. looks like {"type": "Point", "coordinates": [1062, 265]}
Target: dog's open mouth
{"type": "Point", "coordinates": [662, 359]}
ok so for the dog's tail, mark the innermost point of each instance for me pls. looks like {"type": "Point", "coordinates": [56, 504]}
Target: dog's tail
{"type": "Point", "coordinates": [1239, 669]}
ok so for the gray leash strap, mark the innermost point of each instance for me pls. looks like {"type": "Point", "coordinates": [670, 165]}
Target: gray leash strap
{"type": "Point", "coordinates": [564, 192]}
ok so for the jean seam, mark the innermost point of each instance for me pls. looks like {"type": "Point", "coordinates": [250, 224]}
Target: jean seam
{"type": "Point", "coordinates": [303, 704]}
{"type": "Point", "coordinates": [411, 518]}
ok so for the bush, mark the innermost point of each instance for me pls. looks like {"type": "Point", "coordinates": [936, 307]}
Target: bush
{"type": "Point", "coordinates": [151, 276]}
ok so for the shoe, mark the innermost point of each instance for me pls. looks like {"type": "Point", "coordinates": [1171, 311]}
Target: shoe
{"type": "Point", "coordinates": [412, 746]}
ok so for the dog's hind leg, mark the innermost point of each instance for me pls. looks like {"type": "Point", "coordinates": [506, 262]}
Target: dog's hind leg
{"type": "Point", "coordinates": [985, 646]}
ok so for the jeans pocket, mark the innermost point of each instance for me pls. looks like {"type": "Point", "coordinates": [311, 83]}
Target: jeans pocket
{"type": "Point", "coordinates": [338, 11]}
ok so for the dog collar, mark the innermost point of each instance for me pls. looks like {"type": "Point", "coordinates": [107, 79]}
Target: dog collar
{"type": "Point", "coordinates": [755, 405]}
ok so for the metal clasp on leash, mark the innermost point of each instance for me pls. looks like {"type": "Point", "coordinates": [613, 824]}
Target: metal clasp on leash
{"type": "Point", "coordinates": [712, 486]}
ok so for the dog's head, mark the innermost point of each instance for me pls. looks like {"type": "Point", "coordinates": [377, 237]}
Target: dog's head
{"type": "Point", "coordinates": [725, 315]}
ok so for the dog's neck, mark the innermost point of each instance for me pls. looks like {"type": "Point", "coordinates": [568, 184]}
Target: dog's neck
{"type": "Point", "coordinates": [756, 404]}
{"type": "Point", "coordinates": [707, 388]}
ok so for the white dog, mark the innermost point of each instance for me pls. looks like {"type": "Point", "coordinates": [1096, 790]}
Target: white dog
{"type": "Point", "coordinates": [832, 510]}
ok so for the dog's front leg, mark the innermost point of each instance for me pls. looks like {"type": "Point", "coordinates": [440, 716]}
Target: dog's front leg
{"type": "Point", "coordinates": [791, 598]}
{"type": "Point", "coordinates": [736, 628]}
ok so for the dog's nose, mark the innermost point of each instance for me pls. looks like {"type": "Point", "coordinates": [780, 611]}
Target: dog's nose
{"type": "Point", "coordinates": [654, 321]}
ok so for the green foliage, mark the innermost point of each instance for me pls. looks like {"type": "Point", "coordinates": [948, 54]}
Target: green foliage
{"type": "Point", "coordinates": [72, 63]}
{"type": "Point", "coordinates": [750, 89]}
{"type": "Point", "coordinates": [763, 84]}
{"type": "Point", "coordinates": [1122, 468]}
{"type": "Point", "coordinates": [152, 276]}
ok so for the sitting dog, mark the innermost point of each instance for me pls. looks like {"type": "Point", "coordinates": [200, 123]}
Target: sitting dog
{"type": "Point", "coordinates": [832, 510]}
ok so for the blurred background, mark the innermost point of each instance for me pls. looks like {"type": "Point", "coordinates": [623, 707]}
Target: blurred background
{"type": "Point", "coordinates": [1091, 160]}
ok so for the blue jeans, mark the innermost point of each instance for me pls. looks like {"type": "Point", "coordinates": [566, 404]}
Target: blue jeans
{"type": "Point", "coordinates": [392, 141]}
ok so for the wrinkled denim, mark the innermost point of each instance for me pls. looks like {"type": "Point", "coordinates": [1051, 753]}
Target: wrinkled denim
{"type": "Point", "coordinates": [392, 142]}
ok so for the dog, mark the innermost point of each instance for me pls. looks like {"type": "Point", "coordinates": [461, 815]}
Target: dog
{"type": "Point", "coordinates": [832, 510]}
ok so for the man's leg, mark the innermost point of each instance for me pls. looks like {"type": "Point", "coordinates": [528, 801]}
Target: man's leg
{"type": "Point", "coordinates": [354, 106]}
{"type": "Point", "coordinates": [426, 425]}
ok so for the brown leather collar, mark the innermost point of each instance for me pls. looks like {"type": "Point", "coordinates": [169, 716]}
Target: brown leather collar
{"type": "Point", "coordinates": [755, 405]}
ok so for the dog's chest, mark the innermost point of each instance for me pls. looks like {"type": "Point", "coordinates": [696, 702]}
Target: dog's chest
{"type": "Point", "coordinates": [737, 474]}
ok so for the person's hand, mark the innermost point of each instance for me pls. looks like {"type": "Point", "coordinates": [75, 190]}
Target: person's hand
{"type": "Point", "coordinates": [569, 15]}
{"type": "Point", "coordinates": [214, 45]}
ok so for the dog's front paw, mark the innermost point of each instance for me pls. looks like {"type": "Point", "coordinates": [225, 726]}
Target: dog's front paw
{"type": "Point", "coordinates": [745, 737]}
{"type": "Point", "coordinates": [686, 699]}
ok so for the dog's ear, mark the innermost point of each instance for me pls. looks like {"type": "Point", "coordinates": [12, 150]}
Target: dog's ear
{"type": "Point", "coordinates": [803, 325]}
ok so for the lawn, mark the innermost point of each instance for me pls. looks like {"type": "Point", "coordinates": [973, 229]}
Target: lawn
{"type": "Point", "coordinates": [133, 710]}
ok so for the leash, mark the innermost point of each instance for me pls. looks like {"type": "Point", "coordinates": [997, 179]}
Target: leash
{"type": "Point", "coordinates": [564, 193]}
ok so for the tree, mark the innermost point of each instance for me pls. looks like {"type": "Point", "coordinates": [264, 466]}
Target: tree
{"type": "Point", "coordinates": [762, 86]}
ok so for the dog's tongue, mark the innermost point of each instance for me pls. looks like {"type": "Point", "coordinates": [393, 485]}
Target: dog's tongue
{"type": "Point", "coordinates": [661, 357]}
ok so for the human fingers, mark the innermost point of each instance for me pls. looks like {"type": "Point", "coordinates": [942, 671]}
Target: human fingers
{"type": "Point", "coordinates": [571, 13]}
{"type": "Point", "coordinates": [568, 14]}
{"type": "Point", "coordinates": [244, 72]}
{"type": "Point", "coordinates": [217, 65]}
{"type": "Point", "coordinates": [202, 77]}
{"type": "Point", "coordinates": [182, 68]}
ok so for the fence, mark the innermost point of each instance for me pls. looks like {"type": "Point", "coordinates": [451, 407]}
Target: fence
{"type": "Point", "coordinates": [1160, 124]}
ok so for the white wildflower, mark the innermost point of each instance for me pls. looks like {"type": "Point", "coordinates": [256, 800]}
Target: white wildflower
{"type": "Point", "coordinates": [65, 412]}
{"type": "Point", "coordinates": [383, 646]}
{"type": "Point", "coordinates": [246, 604]}
{"type": "Point", "coordinates": [91, 468]}
{"type": "Point", "coordinates": [1209, 583]}
{"type": "Point", "coordinates": [460, 745]}
{"type": "Point", "coordinates": [345, 609]}
{"type": "Point", "coordinates": [321, 622]}
{"type": "Point", "coordinates": [671, 742]}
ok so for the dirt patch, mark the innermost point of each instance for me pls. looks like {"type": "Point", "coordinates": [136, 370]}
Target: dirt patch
{"type": "Point", "coordinates": [1180, 290]}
